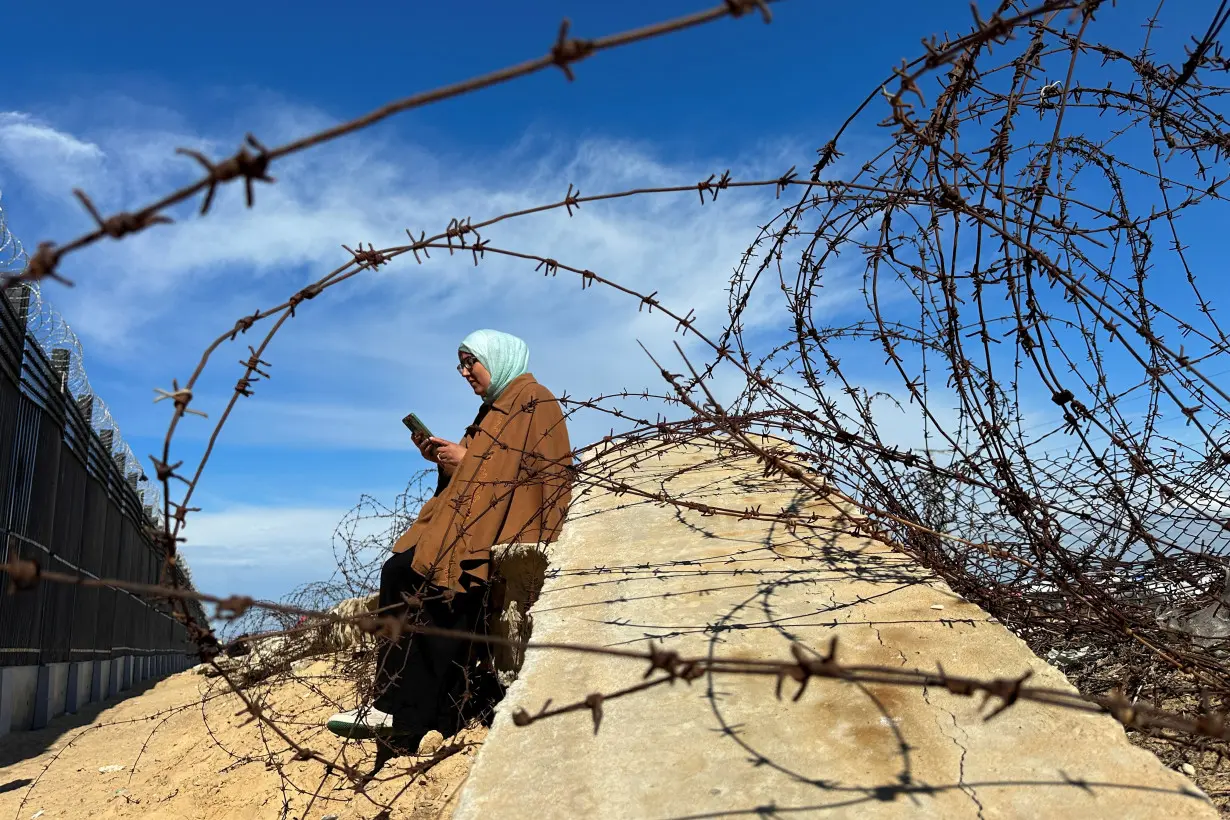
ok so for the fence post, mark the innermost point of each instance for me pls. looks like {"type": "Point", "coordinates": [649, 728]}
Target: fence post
{"type": "Point", "coordinates": [86, 405]}
{"type": "Point", "coordinates": [107, 437]}
{"type": "Point", "coordinates": [63, 604]}
{"type": "Point", "coordinates": [19, 297]}
{"type": "Point", "coordinates": [60, 358]}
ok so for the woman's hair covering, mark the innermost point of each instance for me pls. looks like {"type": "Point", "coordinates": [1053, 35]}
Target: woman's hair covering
{"type": "Point", "coordinates": [505, 356]}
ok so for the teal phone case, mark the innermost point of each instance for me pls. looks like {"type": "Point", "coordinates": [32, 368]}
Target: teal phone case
{"type": "Point", "coordinates": [415, 424]}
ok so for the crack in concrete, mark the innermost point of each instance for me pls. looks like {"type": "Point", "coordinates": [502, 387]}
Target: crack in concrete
{"type": "Point", "coordinates": [879, 637]}
{"type": "Point", "coordinates": [966, 788]}
{"type": "Point", "coordinates": [970, 790]}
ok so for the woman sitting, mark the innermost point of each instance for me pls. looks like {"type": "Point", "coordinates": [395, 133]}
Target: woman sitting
{"type": "Point", "coordinates": [507, 481]}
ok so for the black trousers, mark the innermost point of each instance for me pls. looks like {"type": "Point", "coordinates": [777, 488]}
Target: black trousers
{"type": "Point", "coordinates": [424, 681]}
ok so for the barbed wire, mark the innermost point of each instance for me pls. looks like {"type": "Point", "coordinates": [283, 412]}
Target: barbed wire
{"type": "Point", "coordinates": [12, 254]}
{"type": "Point", "coordinates": [1008, 237]}
{"type": "Point", "coordinates": [25, 574]}
{"type": "Point", "coordinates": [252, 161]}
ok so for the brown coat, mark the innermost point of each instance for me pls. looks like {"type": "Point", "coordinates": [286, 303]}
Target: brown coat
{"type": "Point", "coordinates": [512, 486]}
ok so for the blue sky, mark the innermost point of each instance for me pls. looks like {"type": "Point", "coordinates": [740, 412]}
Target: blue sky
{"type": "Point", "coordinates": [100, 100]}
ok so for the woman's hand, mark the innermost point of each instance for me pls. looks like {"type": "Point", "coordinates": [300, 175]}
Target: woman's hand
{"type": "Point", "coordinates": [426, 448]}
{"type": "Point", "coordinates": [441, 451]}
{"type": "Point", "coordinates": [448, 454]}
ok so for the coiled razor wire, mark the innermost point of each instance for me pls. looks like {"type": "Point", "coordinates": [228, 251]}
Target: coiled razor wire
{"type": "Point", "coordinates": [51, 331]}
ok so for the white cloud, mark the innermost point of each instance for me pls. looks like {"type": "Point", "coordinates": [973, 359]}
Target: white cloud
{"type": "Point", "coordinates": [361, 189]}
{"type": "Point", "coordinates": [251, 536]}
{"type": "Point", "coordinates": [268, 550]}
{"type": "Point", "coordinates": [382, 342]}
{"type": "Point", "coordinates": [41, 153]}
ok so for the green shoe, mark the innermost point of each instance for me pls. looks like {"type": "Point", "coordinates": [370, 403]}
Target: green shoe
{"type": "Point", "coordinates": [362, 724]}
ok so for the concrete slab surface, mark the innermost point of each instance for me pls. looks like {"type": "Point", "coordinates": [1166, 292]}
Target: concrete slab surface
{"type": "Point", "coordinates": [626, 572]}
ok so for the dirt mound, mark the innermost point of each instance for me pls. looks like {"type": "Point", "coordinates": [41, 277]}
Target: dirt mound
{"type": "Point", "coordinates": [189, 750]}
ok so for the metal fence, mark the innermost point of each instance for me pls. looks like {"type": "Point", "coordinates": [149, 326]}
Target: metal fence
{"type": "Point", "coordinates": [70, 502]}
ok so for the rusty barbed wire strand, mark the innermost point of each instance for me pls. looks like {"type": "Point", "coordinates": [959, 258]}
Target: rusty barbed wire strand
{"type": "Point", "coordinates": [800, 670]}
{"type": "Point", "coordinates": [253, 165]}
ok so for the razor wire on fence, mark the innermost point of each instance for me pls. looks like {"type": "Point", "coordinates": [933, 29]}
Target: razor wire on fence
{"type": "Point", "coordinates": [52, 332]}
{"type": "Point", "coordinates": [71, 497]}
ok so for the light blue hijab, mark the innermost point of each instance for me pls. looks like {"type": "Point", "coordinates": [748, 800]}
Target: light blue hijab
{"type": "Point", "coordinates": [505, 356]}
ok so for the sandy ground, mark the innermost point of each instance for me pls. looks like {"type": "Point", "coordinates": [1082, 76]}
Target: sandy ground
{"type": "Point", "coordinates": [187, 754]}
{"type": "Point", "coordinates": [1207, 767]}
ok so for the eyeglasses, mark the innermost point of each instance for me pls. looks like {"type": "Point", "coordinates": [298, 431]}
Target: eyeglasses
{"type": "Point", "coordinates": [467, 363]}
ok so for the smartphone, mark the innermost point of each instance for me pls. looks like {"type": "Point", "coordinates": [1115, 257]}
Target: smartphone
{"type": "Point", "coordinates": [415, 425]}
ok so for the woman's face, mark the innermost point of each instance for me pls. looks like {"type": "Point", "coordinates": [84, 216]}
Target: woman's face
{"type": "Point", "coordinates": [477, 375]}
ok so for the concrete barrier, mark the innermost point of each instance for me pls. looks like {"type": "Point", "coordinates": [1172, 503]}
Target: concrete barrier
{"type": "Point", "coordinates": [79, 685]}
{"type": "Point", "coordinates": [51, 693]}
{"type": "Point", "coordinates": [626, 572]}
{"type": "Point", "coordinates": [33, 696]}
{"type": "Point", "coordinates": [100, 680]}
{"type": "Point", "coordinates": [19, 688]}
